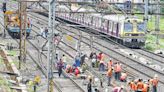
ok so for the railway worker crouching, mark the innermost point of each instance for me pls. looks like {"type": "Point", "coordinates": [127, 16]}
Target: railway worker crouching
{"type": "Point", "coordinates": [77, 71]}
{"type": "Point", "coordinates": [118, 89]}
{"type": "Point", "coordinates": [69, 69]}
{"type": "Point", "coordinates": [123, 77]}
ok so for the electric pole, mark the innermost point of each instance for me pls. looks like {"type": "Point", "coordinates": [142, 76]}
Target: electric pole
{"type": "Point", "coordinates": [79, 44]}
{"type": "Point", "coordinates": [23, 24]}
{"type": "Point", "coordinates": [51, 25]}
{"type": "Point", "coordinates": [91, 42]}
{"type": "Point", "coordinates": [146, 15]}
{"type": "Point", "coordinates": [157, 29]}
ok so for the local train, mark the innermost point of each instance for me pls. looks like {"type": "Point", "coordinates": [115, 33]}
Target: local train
{"type": "Point", "coordinates": [12, 24]}
{"type": "Point", "coordinates": [125, 30]}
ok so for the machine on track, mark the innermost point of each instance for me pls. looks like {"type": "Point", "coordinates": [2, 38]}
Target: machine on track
{"type": "Point", "coordinates": [12, 24]}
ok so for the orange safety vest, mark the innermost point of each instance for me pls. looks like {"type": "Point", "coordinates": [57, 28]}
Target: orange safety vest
{"type": "Point", "coordinates": [133, 86]}
{"type": "Point", "coordinates": [110, 63]}
{"type": "Point", "coordinates": [109, 72]}
{"type": "Point", "coordinates": [102, 57]}
{"type": "Point", "coordinates": [118, 68]}
{"type": "Point", "coordinates": [145, 88]}
{"type": "Point", "coordinates": [150, 81]}
{"type": "Point", "coordinates": [155, 82]}
{"type": "Point", "coordinates": [140, 85]}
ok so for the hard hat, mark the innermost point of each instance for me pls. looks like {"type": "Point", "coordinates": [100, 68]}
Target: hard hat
{"type": "Point", "coordinates": [122, 86]}
{"type": "Point", "coordinates": [96, 79]}
{"type": "Point", "coordinates": [156, 76]}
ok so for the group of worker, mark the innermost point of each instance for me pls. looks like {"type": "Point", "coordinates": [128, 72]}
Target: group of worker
{"type": "Point", "coordinates": [144, 86]}
{"type": "Point", "coordinates": [115, 70]}
{"type": "Point", "coordinates": [72, 69]}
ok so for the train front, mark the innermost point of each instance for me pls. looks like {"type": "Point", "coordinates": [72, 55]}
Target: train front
{"type": "Point", "coordinates": [133, 33]}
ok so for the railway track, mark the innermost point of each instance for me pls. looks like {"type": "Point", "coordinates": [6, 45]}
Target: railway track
{"type": "Point", "coordinates": [66, 44]}
{"type": "Point", "coordinates": [133, 64]}
{"type": "Point", "coordinates": [141, 65]}
{"type": "Point", "coordinates": [57, 83]}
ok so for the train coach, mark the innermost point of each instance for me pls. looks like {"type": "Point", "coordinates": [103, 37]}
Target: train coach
{"type": "Point", "coordinates": [125, 30]}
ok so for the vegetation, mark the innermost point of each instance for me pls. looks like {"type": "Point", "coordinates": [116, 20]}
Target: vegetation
{"type": "Point", "coordinates": [151, 43]}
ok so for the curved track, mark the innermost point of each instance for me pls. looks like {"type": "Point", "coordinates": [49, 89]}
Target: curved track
{"type": "Point", "coordinates": [57, 83]}
{"type": "Point", "coordinates": [122, 58]}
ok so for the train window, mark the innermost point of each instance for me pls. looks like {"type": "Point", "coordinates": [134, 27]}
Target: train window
{"type": "Point", "coordinates": [128, 27]}
{"type": "Point", "coordinates": [140, 27]}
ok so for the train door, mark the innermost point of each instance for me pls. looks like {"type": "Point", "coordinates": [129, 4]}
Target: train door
{"type": "Point", "coordinates": [107, 26]}
{"type": "Point", "coordinates": [110, 28]}
{"type": "Point", "coordinates": [96, 22]}
{"type": "Point", "coordinates": [114, 29]}
{"type": "Point", "coordinates": [117, 29]}
{"type": "Point", "coordinates": [93, 22]}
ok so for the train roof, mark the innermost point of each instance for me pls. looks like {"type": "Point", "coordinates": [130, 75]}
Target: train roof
{"type": "Point", "coordinates": [116, 18]}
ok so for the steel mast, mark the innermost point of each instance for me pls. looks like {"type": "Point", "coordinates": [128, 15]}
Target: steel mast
{"type": "Point", "coordinates": [51, 27]}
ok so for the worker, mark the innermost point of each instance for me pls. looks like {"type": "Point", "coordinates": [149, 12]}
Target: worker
{"type": "Point", "coordinates": [77, 61]}
{"type": "Point", "coordinates": [60, 67]}
{"type": "Point", "coordinates": [64, 59]}
{"type": "Point", "coordinates": [102, 66]}
{"type": "Point", "coordinates": [82, 59]}
{"type": "Point", "coordinates": [117, 89]}
{"type": "Point", "coordinates": [109, 76]}
{"type": "Point", "coordinates": [146, 87]}
{"type": "Point", "coordinates": [140, 85]}
{"type": "Point", "coordinates": [110, 64]}
{"type": "Point", "coordinates": [94, 60]}
{"type": "Point", "coordinates": [41, 31]}
{"type": "Point", "coordinates": [132, 86]}
{"type": "Point", "coordinates": [150, 84]}
{"type": "Point", "coordinates": [4, 7]}
{"type": "Point", "coordinates": [69, 69]}
{"type": "Point", "coordinates": [36, 82]}
{"type": "Point", "coordinates": [89, 86]}
{"type": "Point", "coordinates": [99, 56]}
{"type": "Point", "coordinates": [46, 31]}
{"type": "Point", "coordinates": [28, 23]}
{"type": "Point", "coordinates": [77, 71]}
{"type": "Point", "coordinates": [117, 69]}
{"type": "Point", "coordinates": [123, 77]}
{"type": "Point", "coordinates": [155, 83]}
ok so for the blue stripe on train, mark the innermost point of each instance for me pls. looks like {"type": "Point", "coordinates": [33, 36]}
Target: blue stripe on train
{"type": "Point", "coordinates": [16, 29]}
